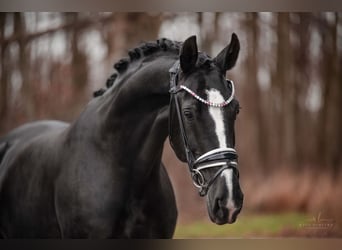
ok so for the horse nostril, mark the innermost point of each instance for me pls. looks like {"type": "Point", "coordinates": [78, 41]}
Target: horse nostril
{"type": "Point", "coordinates": [220, 203]}
{"type": "Point", "coordinates": [221, 211]}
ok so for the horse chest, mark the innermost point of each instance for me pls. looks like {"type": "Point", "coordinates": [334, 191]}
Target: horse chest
{"type": "Point", "coordinates": [135, 221]}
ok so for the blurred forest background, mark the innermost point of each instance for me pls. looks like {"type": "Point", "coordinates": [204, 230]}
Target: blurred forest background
{"type": "Point", "coordinates": [288, 79]}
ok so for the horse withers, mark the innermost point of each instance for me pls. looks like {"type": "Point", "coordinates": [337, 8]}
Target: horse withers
{"type": "Point", "coordinates": [102, 175]}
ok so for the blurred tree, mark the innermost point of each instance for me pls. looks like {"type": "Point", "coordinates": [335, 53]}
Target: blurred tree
{"type": "Point", "coordinates": [284, 79]}
{"type": "Point", "coordinates": [129, 29]}
{"type": "Point", "coordinates": [301, 56]}
{"type": "Point", "coordinates": [329, 121]}
{"type": "Point", "coordinates": [79, 60]}
{"type": "Point", "coordinates": [4, 69]}
{"type": "Point", "coordinates": [208, 30]}
{"type": "Point", "coordinates": [252, 92]}
{"type": "Point", "coordinates": [23, 63]}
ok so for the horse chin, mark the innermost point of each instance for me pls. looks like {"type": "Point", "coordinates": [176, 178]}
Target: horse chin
{"type": "Point", "coordinates": [220, 221]}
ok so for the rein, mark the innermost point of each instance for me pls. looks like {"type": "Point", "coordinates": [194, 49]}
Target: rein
{"type": "Point", "coordinates": [224, 158]}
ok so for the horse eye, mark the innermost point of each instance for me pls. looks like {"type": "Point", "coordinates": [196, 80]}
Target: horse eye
{"type": "Point", "coordinates": [188, 114]}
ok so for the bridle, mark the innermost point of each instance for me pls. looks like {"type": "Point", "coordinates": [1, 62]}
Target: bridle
{"type": "Point", "coordinates": [222, 158]}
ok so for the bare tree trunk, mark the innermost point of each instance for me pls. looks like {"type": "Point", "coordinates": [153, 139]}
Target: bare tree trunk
{"type": "Point", "coordinates": [329, 126]}
{"type": "Point", "coordinates": [79, 59]}
{"type": "Point", "coordinates": [334, 123]}
{"type": "Point", "coordinates": [108, 37]}
{"type": "Point", "coordinates": [338, 138]}
{"type": "Point", "coordinates": [132, 28]}
{"type": "Point", "coordinates": [285, 85]}
{"type": "Point", "coordinates": [208, 36]}
{"type": "Point", "coordinates": [337, 156]}
{"type": "Point", "coordinates": [253, 93]}
{"type": "Point", "coordinates": [26, 90]}
{"type": "Point", "coordinates": [302, 118]}
{"type": "Point", "coordinates": [4, 75]}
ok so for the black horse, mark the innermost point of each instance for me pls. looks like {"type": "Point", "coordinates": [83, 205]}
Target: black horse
{"type": "Point", "coordinates": [102, 175]}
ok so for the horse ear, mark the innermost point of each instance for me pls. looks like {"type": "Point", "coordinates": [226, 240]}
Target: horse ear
{"type": "Point", "coordinates": [227, 58]}
{"type": "Point", "coordinates": [188, 54]}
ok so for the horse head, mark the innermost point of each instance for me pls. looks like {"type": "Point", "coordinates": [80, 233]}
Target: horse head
{"type": "Point", "coordinates": [203, 110]}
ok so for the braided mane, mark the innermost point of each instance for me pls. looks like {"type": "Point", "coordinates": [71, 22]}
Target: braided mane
{"type": "Point", "coordinates": [143, 50]}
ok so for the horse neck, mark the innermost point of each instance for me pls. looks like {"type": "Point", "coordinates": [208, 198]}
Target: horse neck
{"type": "Point", "coordinates": [136, 115]}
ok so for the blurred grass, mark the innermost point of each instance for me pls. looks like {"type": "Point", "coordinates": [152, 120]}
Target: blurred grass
{"type": "Point", "coordinates": [247, 225]}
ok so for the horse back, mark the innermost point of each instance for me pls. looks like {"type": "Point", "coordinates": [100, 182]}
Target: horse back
{"type": "Point", "coordinates": [19, 169]}
{"type": "Point", "coordinates": [31, 130]}
{"type": "Point", "coordinates": [23, 135]}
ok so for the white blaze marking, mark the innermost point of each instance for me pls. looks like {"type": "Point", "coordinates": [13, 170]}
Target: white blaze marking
{"type": "Point", "coordinates": [217, 115]}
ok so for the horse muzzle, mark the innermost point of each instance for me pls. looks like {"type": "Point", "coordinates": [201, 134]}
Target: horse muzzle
{"type": "Point", "coordinates": [221, 213]}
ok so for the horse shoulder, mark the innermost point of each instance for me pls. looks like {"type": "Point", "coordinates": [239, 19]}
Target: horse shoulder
{"type": "Point", "coordinates": [89, 195]}
{"type": "Point", "coordinates": [26, 179]}
{"type": "Point", "coordinates": [21, 141]}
